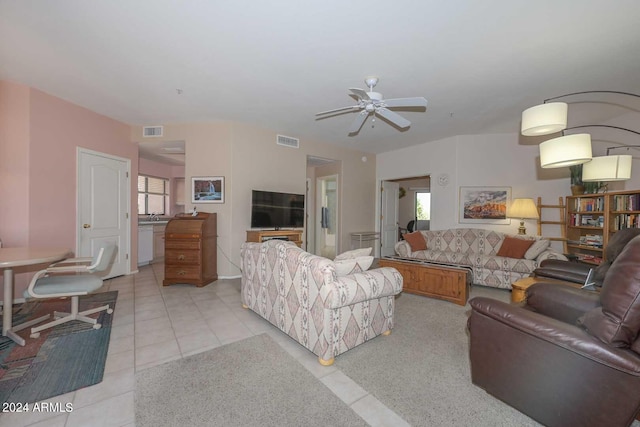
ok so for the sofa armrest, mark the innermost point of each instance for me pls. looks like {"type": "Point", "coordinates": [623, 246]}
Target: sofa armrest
{"type": "Point", "coordinates": [402, 248]}
{"type": "Point", "coordinates": [561, 302]}
{"type": "Point", "coordinates": [364, 286]}
{"type": "Point", "coordinates": [550, 254]}
{"type": "Point", "coordinates": [556, 332]}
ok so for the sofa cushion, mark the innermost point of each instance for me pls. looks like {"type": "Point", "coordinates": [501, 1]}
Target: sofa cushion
{"type": "Point", "coordinates": [416, 240]}
{"type": "Point", "coordinates": [538, 246]}
{"type": "Point", "coordinates": [512, 247]}
{"type": "Point", "coordinates": [617, 322]}
{"type": "Point", "coordinates": [355, 253]}
{"type": "Point", "coordinates": [345, 267]}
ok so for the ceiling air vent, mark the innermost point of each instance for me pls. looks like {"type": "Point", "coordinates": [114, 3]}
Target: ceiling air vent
{"type": "Point", "coordinates": [151, 131]}
{"type": "Point", "coordinates": [287, 141]}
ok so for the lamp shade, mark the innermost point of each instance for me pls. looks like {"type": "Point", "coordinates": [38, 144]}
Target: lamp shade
{"type": "Point", "coordinates": [522, 208]}
{"type": "Point", "coordinates": [565, 151]}
{"type": "Point", "coordinates": [607, 168]}
{"type": "Point", "coordinates": [544, 119]}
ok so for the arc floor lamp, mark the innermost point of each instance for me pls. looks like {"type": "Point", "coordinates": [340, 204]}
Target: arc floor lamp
{"type": "Point", "coordinates": [574, 149]}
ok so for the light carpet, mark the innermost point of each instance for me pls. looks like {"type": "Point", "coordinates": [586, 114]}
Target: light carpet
{"type": "Point", "coordinates": [253, 382]}
{"type": "Point", "coordinates": [422, 370]}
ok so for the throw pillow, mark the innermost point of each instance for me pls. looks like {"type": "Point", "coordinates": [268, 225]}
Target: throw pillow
{"type": "Point", "coordinates": [355, 265]}
{"type": "Point", "coordinates": [538, 246]}
{"type": "Point", "coordinates": [355, 253]}
{"type": "Point", "coordinates": [416, 240]}
{"type": "Point", "coordinates": [512, 247]}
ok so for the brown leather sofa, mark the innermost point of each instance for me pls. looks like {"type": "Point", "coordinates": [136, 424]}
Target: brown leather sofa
{"type": "Point", "coordinates": [566, 357]}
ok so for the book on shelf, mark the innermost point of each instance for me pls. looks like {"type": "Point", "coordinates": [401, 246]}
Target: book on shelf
{"type": "Point", "coordinates": [626, 202]}
{"type": "Point", "coordinates": [589, 258]}
{"type": "Point", "coordinates": [589, 204]}
{"type": "Point", "coordinates": [626, 221]}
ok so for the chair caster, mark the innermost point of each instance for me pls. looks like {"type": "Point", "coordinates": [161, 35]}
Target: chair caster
{"type": "Point", "coordinates": [97, 326]}
{"type": "Point", "coordinates": [109, 310]}
{"type": "Point", "coordinates": [35, 335]}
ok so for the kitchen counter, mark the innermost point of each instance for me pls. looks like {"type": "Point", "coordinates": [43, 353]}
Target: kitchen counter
{"type": "Point", "coordinates": [160, 222]}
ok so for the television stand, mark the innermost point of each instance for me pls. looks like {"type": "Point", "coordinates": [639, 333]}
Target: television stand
{"type": "Point", "coordinates": [260, 236]}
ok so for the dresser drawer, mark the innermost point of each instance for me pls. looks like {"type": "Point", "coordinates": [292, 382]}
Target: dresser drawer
{"type": "Point", "coordinates": [182, 244]}
{"type": "Point", "coordinates": [180, 256]}
{"type": "Point", "coordinates": [186, 272]}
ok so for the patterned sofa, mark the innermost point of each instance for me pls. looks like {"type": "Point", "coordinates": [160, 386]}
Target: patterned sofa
{"type": "Point", "coordinates": [301, 294]}
{"type": "Point", "coordinates": [477, 249]}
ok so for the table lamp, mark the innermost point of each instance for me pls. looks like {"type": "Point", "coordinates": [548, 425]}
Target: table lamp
{"type": "Point", "coordinates": [523, 209]}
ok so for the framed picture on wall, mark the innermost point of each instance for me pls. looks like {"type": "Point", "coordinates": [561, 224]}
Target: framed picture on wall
{"type": "Point", "coordinates": [484, 205]}
{"type": "Point", "coordinates": [207, 189]}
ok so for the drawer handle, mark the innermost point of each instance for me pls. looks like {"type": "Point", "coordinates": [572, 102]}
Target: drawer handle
{"type": "Point", "coordinates": [181, 273]}
{"type": "Point", "coordinates": [181, 257]}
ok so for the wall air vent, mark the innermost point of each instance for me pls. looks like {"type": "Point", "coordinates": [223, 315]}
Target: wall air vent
{"type": "Point", "coordinates": [287, 141]}
{"type": "Point", "coordinates": [151, 131]}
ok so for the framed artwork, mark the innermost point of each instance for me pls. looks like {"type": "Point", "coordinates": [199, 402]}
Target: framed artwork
{"type": "Point", "coordinates": [207, 189]}
{"type": "Point", "coordinates": [484, 205]}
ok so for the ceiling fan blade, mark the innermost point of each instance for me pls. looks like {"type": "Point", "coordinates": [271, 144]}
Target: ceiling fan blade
{"type": "Point", "coordinates": [394, 118]}
{"type": "Point", "coordinates": [360, 93]}
{"type": "Point", "coordinates": [406, 102]}
{"type": "Point", "coordinates": [358, 122]}
{"type": "Point", "coordinates": [337, 110]}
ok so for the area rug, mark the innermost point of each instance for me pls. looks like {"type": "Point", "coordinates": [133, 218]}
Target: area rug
{"type": "Point", "coordinates": [253, 382]}
{"type": "Point", "coordinates": [63, 359]}
{"type": "Point", "coordinates": [422, 370]}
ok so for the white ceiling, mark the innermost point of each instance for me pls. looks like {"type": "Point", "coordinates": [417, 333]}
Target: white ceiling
{"type": "Point", "coordinates": [275, 64]}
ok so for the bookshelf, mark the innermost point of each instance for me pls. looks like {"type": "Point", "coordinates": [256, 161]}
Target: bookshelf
{"type": "Point", "coordinates": [593, 218]}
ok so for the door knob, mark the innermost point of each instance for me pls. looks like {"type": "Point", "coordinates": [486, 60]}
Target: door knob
{"type": "Point", "coordinates": [86, 225]}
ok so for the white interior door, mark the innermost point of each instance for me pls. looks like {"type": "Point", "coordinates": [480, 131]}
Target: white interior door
{"type": "Point", "coordinates": [103, 206]}
{"type": "Point", "coordinates": [389, 219]}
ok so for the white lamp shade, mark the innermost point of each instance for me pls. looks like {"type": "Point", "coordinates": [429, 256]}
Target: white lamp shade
{"type": "Point", "coordinates": [607, 168]}
{"type": "Point", "coordinates": [522, 208]}
{"type": "Point", "coordinates": [566, 150]}
{"type": "Point", "coordinates": [544, 119]}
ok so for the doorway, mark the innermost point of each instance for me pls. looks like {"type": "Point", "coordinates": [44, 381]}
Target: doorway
{"type": "Point", "coordinates": [327, 213]}
{"type": "Point", "coordinates": [322, 234]}
{"type": "Point", "coordinates": [103, 207]}
{"type": "Point", "coordinates": [405, 208]}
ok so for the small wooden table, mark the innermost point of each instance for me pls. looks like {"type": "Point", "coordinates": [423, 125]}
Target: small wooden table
{"type": "Point", "coordinates": [432, 280]}
{"type": "Point", "coordinates": [519, 287]}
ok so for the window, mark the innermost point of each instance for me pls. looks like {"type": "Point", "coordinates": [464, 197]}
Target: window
{"type": "Point", "coordinates": [153, 195]}
{"type": "Point", "coordinates": [423, 210]}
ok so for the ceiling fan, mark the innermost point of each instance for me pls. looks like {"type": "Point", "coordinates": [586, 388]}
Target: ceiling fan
{"type": "Point", "coordinates": [372, 103]}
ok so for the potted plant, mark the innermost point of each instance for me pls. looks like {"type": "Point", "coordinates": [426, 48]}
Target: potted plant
{"type": "Point", "coordinates": [577, 187]}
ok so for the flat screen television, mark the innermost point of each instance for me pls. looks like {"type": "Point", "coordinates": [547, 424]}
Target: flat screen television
{"type": "Point", "coordinates": [275, 210]}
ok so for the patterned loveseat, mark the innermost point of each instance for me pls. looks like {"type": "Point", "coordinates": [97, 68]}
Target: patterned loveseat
{"type": "Point", "coordinates": [477, 249]}
{"type": "Point", "coordinates": [301, 294]}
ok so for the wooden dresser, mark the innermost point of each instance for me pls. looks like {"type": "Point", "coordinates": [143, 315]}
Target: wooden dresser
{"type": "Point", "coordinates": [190, 251]}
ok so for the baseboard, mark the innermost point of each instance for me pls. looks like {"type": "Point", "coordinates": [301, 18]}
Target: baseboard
{"type": "Point", "coordinates": [229, 277]}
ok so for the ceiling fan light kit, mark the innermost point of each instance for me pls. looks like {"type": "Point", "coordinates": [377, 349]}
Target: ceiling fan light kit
{"type": "Point", "coordinates": [373, 103]}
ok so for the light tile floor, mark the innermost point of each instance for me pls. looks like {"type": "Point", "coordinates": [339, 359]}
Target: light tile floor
{"type": "Point", "coordinates": [153, 324]}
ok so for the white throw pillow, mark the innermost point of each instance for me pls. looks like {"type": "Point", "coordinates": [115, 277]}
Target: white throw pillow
{"type": "Point", "coordinates": [355, 265]}
{"type": "Point", "coordinates": [539, 246]}
{"type": "Point", "coordinates": [356, 253]}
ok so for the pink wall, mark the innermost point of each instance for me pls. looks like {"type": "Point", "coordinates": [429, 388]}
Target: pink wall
{"type": "Point", "coordinates": [45, 148]}
{"type": "Point", "coordinates": [14, 164]}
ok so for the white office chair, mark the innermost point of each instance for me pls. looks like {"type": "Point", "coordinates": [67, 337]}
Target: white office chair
{"type": "Point", "coordinates": [72, 278]}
